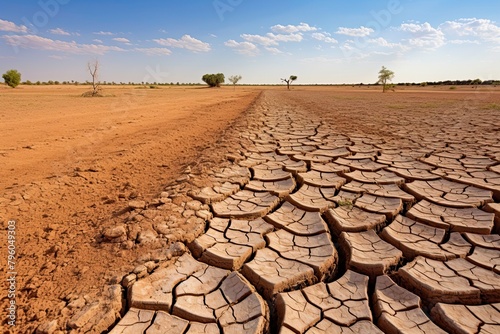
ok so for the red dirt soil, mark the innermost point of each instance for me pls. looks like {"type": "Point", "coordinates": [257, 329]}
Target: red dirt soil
{"type": "Point", "coordinates": [69, 165]}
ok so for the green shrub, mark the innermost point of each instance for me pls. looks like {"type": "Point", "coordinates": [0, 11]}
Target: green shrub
{"type": "Point", "coordinates": [12, 78]}
{"type": "Point", "coordinates": [492, 106]}
{"type": "Point", "coordinates": [213, 80]}
{"type": "Point", "coordinates": [345, 202]}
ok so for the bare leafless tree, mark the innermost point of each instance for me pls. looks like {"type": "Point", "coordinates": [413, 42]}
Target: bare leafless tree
{"type": "Point", "coordinates": [93, 67]}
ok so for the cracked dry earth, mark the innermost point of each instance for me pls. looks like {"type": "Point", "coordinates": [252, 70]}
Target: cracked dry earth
{"type": "Point", "coordinates": [328, 223]}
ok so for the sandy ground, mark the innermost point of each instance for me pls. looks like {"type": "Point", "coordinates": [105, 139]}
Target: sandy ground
{"type": "Point", "coordinates": [69, 165]}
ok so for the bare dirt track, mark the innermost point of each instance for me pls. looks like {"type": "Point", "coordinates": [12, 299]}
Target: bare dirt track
{"type": "Point", "coordinates": [68, 165]}
{"type": "Point", "coordinates": [69, 168]}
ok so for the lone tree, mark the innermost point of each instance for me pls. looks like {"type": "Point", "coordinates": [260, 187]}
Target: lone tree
{"type": "Point", "coordinates": [93, 67]}
{"type": "Point", "coordinates": [384, 76]}
{"type": "Point", "coordinates": [234, 80]}
{"type": "Point", "coordinates": [476, 82]}
{"type": "Point", "coordinates": [12, 78]}
{"type": "Point", "coordinates": [213, 80]}
{"type": "Point", "coordinates": [289, 81]}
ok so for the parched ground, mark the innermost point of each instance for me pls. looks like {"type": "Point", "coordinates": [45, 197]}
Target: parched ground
{"type": "Point", "coordinates": [70, 165]}
{"type": "Point", "coordinates": [315, 210]}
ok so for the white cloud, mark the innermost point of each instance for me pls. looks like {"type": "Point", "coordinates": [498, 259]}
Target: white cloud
{"type": "Point", "coordinates": [417, 28]}
{"type": "Point", "coordinates": [289, 29]}
{"type": "Point", "coordinates": [423, 35]}
{"type": "Point", "coordinates": [285, 38]}
{"type": "Point", "coordinates": [325, 37]}
{"type": "Point", "coordinates": [272, 39]}
{"type": "Point", "coordinates": [59, 31]}
{"type": "Point", "coordinates": [12, 27]}
{"type": "Point", "coordinates": [463, 41]}
{"type": "Point", "coordinates": [104, 33]}
{"type": "Point", "coordinates": [413, 35]}
{"type": "Point", "coordinates": [244, 48]}
{"type": "Point", "coordinates": [355, 32]}
{"type": "Point", "coordinates": [41, 43]}
{"type": "Point", "coordinates": [98, 41]}
{"type": "Point", "coordinates": [380, 41]}
{"type": "Point", "coordinates": [483, 28]}
{"type": "Point", "coordinates": [213, 35]}
{"type": "Point", "coordinates": [353, 51]}
{"type": "Point", "coordinates": [57, 57]}
{"type": "Point", "coordinates": [154, 51]}
{"type": "Point", "coordinates": [348, 46]}
{"type": "Point", "coordinates": [380, 53]}
{"type": "Point", "coordinates": [185, 42]}
{"type": "Point", "coordinates": [279, 34]}
{"type": "Point", "coordinates": [262, 40]}
{"type": "Point", "coordinates": [274, 51]}
{"type": "Point", "coordinates": [122, 40]}
{"type": "Point", "coordinates": [460, 31]}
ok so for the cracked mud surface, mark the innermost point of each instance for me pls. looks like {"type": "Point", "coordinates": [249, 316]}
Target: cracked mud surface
{"type": "Point", "coordinates": [323, 221]}
{"type": "Point", "coordinates": [340, 231]}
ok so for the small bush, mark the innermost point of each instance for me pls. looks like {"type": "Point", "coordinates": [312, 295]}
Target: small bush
{"type": "Point", "coordinates": [453, 87]}
{"type": "Point", "coordinates": [12, 78]}
{"type": "Point", "coordinates": [345, 202]}
{"type": "Point", "coordinates": [92, 94]}
{"type": "Point", "coordinates": [492, 106]}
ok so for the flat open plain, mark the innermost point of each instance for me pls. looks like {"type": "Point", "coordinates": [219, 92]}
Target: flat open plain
{"type": "Point", "coordinates": [315, 210]}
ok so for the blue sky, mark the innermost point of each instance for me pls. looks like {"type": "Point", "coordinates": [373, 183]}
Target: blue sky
{"type": "Point", "coordinates": [326, 41]}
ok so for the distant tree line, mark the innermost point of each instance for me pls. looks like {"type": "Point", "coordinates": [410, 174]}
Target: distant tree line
{"type": "Point", "coordinates": [474, 82]}
{"type": "Point", "coordinates": [121, 83]}
{"type": "Point", "coordinates": [110, 83]}
{"type": "Point", "coordinates": [13, 78]}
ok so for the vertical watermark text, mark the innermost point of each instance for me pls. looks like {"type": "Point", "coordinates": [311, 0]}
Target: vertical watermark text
{"type": "Point", "coordinates": [11, 273]}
